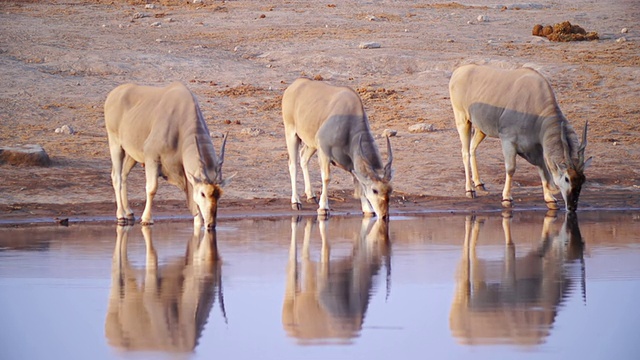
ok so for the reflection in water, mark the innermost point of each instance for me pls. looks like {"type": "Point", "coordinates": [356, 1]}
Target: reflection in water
{"type": "Point", "coordinates": [169, 309]}
{"type": "Point", "coordinates": [332, 297]}
{"type": "Point", "coordinates": [515, 300]}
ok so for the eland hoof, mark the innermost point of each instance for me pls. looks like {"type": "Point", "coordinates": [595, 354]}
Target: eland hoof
{"type": "Point", "coordinates": [123, 221]}
{"type": "Point", "coordinates": [480, 187]}
{"type": "Point", "coordinates": [367, 214]}
{"type": "Point", "coordinates": [471, 194]}
{"type": "Point", "coordinates": [507, 203]}
{"type": "Point", "coordinates": [312, 200]}
{"type": "Point", "coordinates": [146, 223]}
{"type": "Point", "coordinates": [552, 205]}
{"type": "Point", "coordinates": [323, 213]}
{"type": "Point", "coordinates": [296, 206]}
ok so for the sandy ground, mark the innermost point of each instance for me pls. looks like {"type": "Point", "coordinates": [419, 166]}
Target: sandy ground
{"type": "Point", "coordinates": [60, 59]}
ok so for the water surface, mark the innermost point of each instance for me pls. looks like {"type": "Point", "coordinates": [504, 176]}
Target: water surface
{"type": "Point", "coordinates": [444, 287]}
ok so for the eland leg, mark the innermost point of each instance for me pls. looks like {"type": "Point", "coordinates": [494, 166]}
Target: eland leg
{"type": "Point", "coordinates": [509, 151]}
{"type": "Point", "coordinates": [477, 138]}
{"type": "Point", "coordinates": [127, 165]}
{"type": "Point", "coordinates": [306, 153]}
{"type": "Point", "coordinates": [464, 131]}
{"type": "Point", "coordinates": [151, 173]}
{"type": "Point", "coordinates": [323, 208]}
{"type": "Point", "coordinates": [293, 142]}
{"type": "Point", "coordinates": [117, 159]}
{"type": "Point", "coordinates": [547, 189]}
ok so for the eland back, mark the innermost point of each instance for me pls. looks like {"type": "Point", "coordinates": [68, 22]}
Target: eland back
{"type": "Point", "coordinates": [163, 129]}
{"type": "Point", "coordinates": [331, 120]}
{"type": "Point", "coordinates": [518, 107]}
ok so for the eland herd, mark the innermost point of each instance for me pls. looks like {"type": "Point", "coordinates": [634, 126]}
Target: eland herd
{"type": "Point", "coordinates": [163, 129]}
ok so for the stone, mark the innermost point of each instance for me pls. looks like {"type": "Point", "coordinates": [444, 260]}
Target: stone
{"type": "Point", "coordinates": [369, 45]}
{"type": "Point", "coordinates": [421, 128]}
{"type": "Point", "coordinates": [30, 155]}
{"type": "Point", "coordinates": [389, 133]}
{"type": "Point", "coordinates": [65, 129]}
{"type": "Point", "coordinates": [252, 132]}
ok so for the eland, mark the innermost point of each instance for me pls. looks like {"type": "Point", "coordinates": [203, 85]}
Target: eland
{"type": "Point", "coordinates": [518, 107]}
{"type": "Point", "coordinates": [331, 120]}
{"type": "Point", "coordinates": [163, 129]}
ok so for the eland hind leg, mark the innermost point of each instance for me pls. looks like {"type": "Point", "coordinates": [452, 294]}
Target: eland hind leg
{"type": "Point", "coordinates": [306, 153]}
{"type": "Point", "coordinates": [293, 143]}
{"type": "Point", "coordinates": [127, 165]}
{"type": "Point", "coordinates": [117, 163]}
{"type": "Point", "coordinates": [463, 125]}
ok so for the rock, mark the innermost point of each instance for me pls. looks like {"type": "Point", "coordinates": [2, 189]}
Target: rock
{"type": "Point", "coordinates": [482, 18]}
{"type": "Point", "coordinates": [252, 132]}
{"type": "Point", "coordinates": [216, 134]}
{"type": "Point", "coordinates": [624, 31]}
{"type": "Point", "coordinates": [33, 155]}
{"type": "Point", "coordinates": [140, 15]}
{"type": "Point", "coordinates": [421, 128]}
{"type": "Point", "coordinates": [197, 1]}
{"type": "Point", "coordinates": [369, 45]}
{"type": "Point", "coordinates": [621, 40]}
{"type": "Point", "coordinates": [389, 133]}
{"type": "Point", "coordinates": [65, 129]}
{"type": "Point", "coordinates": [156, 24]}
{"type": "Point", "coordinates": [150, 6]}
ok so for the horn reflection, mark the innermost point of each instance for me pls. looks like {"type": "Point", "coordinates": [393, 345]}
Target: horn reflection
{"type": "Point", "coordinates": [328, 299]}
{"type": "Point", "coordinates": [516, 299]}
{"type": "Point", "coordinates": [168, 309]}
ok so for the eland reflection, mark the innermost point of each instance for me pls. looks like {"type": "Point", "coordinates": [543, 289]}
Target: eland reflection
{"type": "Point", "coordinates": [168, 310]}
{"type": "Point", "coordinates": [516, 299]}
{"type": "Point", "coordinates": [328, 299]}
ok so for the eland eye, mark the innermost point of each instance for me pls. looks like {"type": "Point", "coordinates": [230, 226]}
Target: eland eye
{"type": "Point", "coordinates": [202, 194]}
{"type": "Point", "coordinates": [566, 179]}
{"type": "Point", "coordinates": [375, 191]}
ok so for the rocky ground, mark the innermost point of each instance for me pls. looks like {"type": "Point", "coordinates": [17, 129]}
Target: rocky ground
{"type": "Point", "coordinates": [60, 59]}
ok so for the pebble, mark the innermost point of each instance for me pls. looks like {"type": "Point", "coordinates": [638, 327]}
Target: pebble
{"type": "Point", "coordinates": [420, 128]}
{"type": "Point", "coordinates": [369, 45]}
{"type": "Point", "coordinates": [252, 132]}
{"type": "Point", "coordinates": [150, 6]}
{"type": "Point", "coordinates": [389, 133]}
{"type": "Point", "coordinates": [482, 18]}
{"type": "Point", "coordinates": [65, 129]}
{"type": "Point", "coordinates": [621, 40]}
{"type": "Point", "coordinates": [156, 24]}
{"type": "Point", "coordinates": [624, 31]}
{"type": "Point", "coordinates": [216, 134]}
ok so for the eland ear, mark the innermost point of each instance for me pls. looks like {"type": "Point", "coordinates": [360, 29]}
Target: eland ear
{"type": "Point", "coordinates": [226, 181]}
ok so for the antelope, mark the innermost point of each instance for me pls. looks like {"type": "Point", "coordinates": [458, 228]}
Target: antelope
{"type": "Point", "coordinates": [163, 129]}
{"type": "Point", "coordinates": [331, 120]}
{"type": "Point", "coordinates": [518, 107]}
